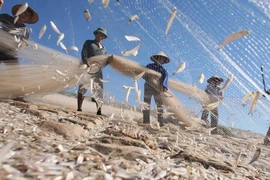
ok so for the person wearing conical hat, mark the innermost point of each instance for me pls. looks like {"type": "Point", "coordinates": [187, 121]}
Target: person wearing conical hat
{"type": "Point", "coordinates": [29, 16]}
{"type": "Point", "coordinates": [93, 48]}
{"type": "Point", "coordinates": [215, 94]}
{"type": "Point", "coordinates": [154, 86]}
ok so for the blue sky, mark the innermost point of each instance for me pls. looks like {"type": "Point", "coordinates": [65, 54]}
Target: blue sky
{"type": "Point", "coordinates": [196, 31]}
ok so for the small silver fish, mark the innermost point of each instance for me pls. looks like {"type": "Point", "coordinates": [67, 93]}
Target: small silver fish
{"type": "Point", "coordinates": [238, 158]}
{"type": "Point", "coordinates": [255, 156]}
{"type": "Point", "coordinates": [54, 27]}
{"type": "Point", "coordinates": [87, 15]}
{"type": "Point", "coordinates": [233, 37]}
{"type": "Point", "coordinates": [16, 19]}
{"type": "Point", "coordinates": [212, 105]}
{"type": "Point", "coordinates": [21, 9]}
{"type": "Point", "coordinates": [63, 47]}
{"type": "Point", "coordinates": [247, 96]}
{"type": "Point", "coordinates": [133, 51]}
{"type": "Point", "coordinates": [180, 68]}
{"type": "Point", "coordinates": [128, 88]}
{"type": "Point", "coordinates": [105, 3]}
{"type": "Point", "coordinates": [49, 37]}
{"type": "Point", "coordinates": [134, 17]}
{"type": "Point", "coordinates": [227, 83]}
{"type": "Point", "coordinates": [73, 48]}
{"type": "Point", "coordinates": [254, 102]}
{"type": "Point", "coordinates": [42, 31]}
{"type": "Point", "coordinates": [132, 38]}
{"type": "Point", "coordinates": [60, 38]}
{"type": "Point", "coordinates": [201, 78]}
{"type": "Point", "coordinates": [111, 117]}
{"type": "Point", "coordinates": [170, 21]}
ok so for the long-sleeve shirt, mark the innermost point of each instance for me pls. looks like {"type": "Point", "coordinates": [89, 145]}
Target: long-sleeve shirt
{"type": "Point", "coordinates": [160, 69]}
{"type": "Point", "coordinates": [91, 48]}
{"type": "Point", "coordinates": [214, 92]}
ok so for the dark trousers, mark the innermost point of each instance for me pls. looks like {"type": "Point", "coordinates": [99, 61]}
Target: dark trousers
{"type": "Point", "coordinates": [150, 91]}
{"type": "Point", "coordinates": [213, 115]}
{"type": "Point", "coordinates": [267, 137]}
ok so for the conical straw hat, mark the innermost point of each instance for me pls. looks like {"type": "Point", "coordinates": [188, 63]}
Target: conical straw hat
{"type": "Point", "coordinates": [161, 53]}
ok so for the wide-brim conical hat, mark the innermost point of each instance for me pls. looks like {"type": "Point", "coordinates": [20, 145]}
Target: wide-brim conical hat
{"type": "Point", "coordinates": [32, 20]}
{"type": "Point", "coordinates": [161, 53]}
{"type": "Point", "coordinates": [211, 79]}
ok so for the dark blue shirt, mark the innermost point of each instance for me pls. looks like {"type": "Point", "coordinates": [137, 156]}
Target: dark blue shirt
{"type": "Point", "coordinates": [160, 69]}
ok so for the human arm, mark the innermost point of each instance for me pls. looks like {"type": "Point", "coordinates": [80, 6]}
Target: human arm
{"type": "Point", "coordinates": [88, 51]}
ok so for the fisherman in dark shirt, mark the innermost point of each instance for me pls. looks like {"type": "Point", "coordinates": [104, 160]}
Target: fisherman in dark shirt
{"type": "Point", "coordinates": [8, 52]}
{"type": "Point", "coordinates": [154, 87]}
{"type": "Point", "coordinates": [93, 48]}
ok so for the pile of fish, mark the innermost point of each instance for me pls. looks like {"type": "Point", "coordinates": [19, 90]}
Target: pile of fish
{"type": "Point", "coordinates": [47, 142]}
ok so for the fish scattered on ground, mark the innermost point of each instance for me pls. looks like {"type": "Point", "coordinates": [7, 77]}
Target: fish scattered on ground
{"type": "Point", "coordinates": [255, 156]}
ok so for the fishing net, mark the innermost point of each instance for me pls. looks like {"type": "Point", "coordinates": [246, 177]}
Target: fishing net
{"type": "Point", "coordinates": [197, 29]}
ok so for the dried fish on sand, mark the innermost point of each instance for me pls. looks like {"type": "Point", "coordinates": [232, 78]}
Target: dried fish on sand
{"type": "Point", "coordinates": [255, 156]}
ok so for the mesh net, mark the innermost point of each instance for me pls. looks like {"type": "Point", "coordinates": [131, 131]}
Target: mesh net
{"type": "Point", "coordinates": [195, 33]}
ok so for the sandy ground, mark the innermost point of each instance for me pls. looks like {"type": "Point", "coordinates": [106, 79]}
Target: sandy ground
{"type": "Point", "coordinates": [88, 106]}
{"type": "Point", "coordinates": [46, 138]}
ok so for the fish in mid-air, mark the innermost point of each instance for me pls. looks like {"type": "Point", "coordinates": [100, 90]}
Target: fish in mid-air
{"type": "Point", "coordinates": [134, 17]}
{"type": "Point", "coordinates": [87, 15]}
{"type": "Point", "coordinates": [227, 83]}
{"type": "Point", "coordinates": [201, 78]}
{"type": "Point", "coordinates": [132, 38]}
{"type": "Point", "coordinates": [233, 37]}
{"type": "Point", "coordinates": [54, 27]}
{"type": "Point", "coordinates": [180, 68]}
{"type": "Point", "coordinates": [170, 21]}
{"type": "Point", "coordinates": [133, 51]}
{"type": "Point", "coordinates": [21, 9]}
{"type": "Point", "coordinates": [105, 3]}
{"type": "Point", "coordinates": [42, 31]}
